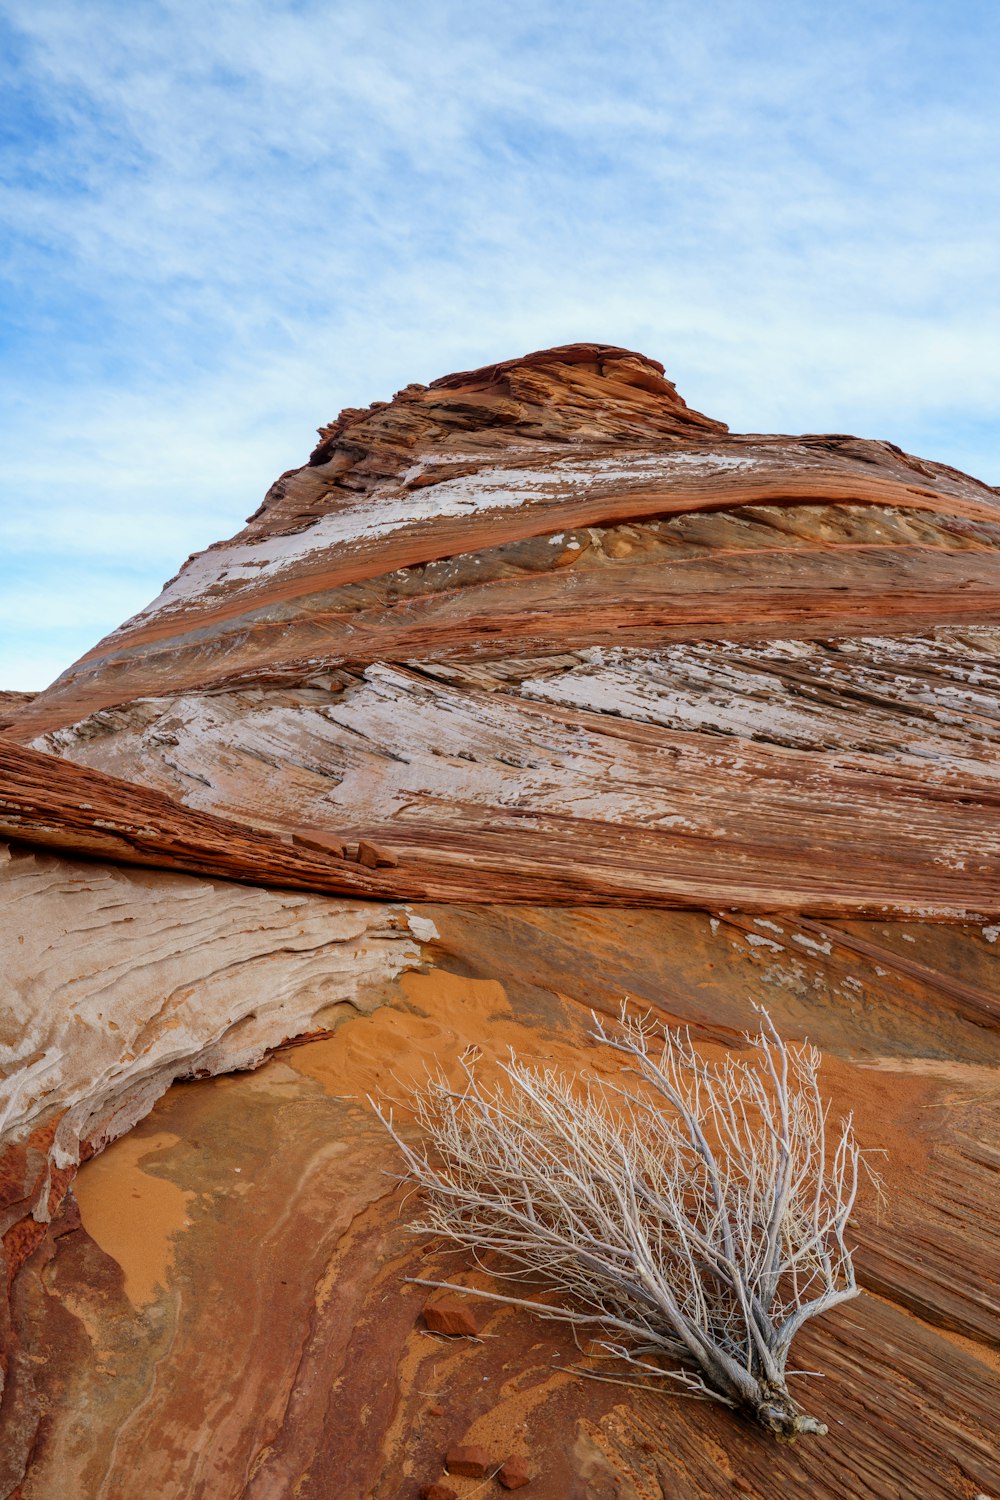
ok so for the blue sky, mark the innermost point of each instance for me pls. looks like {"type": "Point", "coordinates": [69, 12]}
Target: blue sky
{"type": "Point", "coordinates": [222, 222]}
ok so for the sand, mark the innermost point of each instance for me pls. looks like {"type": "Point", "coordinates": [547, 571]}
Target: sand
{"type": "Point", "coordinates": [132, 1214]}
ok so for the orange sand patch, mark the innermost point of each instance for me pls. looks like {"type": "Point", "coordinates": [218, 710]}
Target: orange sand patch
{"type": "Point", "coordinates": [131, 1215]}
{"type": "Point", "coordinates": [391, 1051]}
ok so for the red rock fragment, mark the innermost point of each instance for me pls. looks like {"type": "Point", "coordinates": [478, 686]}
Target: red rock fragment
{"type": "Point", "coordinates": [375, 856]}
{"type": "Point", "coordinates": [473, 1463]}
{"type": "Point", "coordinates": [322, 843]}
{"type": "Point", "coordinates": [450, 1318]}
{"type": "Point", "coordinates": [514, 1473]}
{"type": "Point", "coordinates": [438, 1491]}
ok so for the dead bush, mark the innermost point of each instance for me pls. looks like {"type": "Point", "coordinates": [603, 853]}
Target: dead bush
{"type": "Point", "coordinates": [689, 1215]}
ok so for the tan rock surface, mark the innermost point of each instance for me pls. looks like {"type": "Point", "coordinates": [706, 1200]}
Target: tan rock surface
{"type": "Point", "coordinates": [118, 981]}
{"type": "Point", "coordinates": [11, 704]}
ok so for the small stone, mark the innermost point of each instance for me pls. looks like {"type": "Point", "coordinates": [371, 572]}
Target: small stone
{"type": "Point", "coordinates": [514, 1473]}
{"type": "Point", "coordinates": [435, 1411]}
{"type": "Point", "coordinates": [319, 843]}
{"type": "Point", "coordinates": [451, 1319]}
{"type": "Point", "coordinates": [473, 1463]}
{"type": "Point", "coordinates": [376, 857]}
{"type": "Point", "coordinates": [438, 1491]}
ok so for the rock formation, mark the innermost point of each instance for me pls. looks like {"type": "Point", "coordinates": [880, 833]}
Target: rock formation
{"type": "Point", "coordinates": [637, 706]}
{"type": "Point", "coordinates": [60, 805]}
{"type": "Point", "coordinates": [11, 705]}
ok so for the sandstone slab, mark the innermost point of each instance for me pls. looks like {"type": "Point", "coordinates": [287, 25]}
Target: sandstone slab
{"type": "Point", "coordinates": [468, 1461]}
{"type": "Point", "coordinates": [452, 1319]}
{"type": "Point", "coordinates": [514, 1473]}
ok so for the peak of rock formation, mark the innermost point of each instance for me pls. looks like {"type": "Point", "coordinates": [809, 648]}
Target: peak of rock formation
{"type": "Point", "coordinates": [578, 394]}
{"type": "Point", "coordinates": [634, 706]}
{"type": "Point", "coordinates": [403, 505]}
{"type": "Point", "coordinates": [574, 394]}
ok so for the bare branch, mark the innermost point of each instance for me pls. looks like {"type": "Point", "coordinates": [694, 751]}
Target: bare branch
{"type": "Point", "coordinates": [694, 1210]}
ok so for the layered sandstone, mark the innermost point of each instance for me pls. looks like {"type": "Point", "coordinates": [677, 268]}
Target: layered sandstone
{"type": "Point", "coordinates": [59, 805]}
{"type": "Point", "coordinates": [561, 645]}
{"type": "Point", "coordinates": [551, 636]}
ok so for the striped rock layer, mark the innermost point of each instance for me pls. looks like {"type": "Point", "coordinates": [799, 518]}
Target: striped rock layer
{"type": "Point", "coordinates": [637, 706]}
{"type": "Point", "coordinates": [551, 636]}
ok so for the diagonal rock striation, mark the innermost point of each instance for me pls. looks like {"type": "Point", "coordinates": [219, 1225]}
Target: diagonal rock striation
{"type": "Point", "coordinates": [553, 637]}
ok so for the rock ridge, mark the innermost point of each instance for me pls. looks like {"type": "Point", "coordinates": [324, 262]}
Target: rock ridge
{"type": "Point", "coordinates": [548, 635]}
{"type": "Point", "coordinates": [57, 805]}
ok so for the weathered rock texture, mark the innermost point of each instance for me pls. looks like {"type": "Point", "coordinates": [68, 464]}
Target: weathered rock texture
{"type": "Point", "coordinates": [118, 981]}
{"type": "Point", "coordinates": [59, 805]}
{"type": "Point", "coordinates": [282, 1352]}
{"type": "Point", "coordinates": [10, 706]}
{"type": "Point", "coordinates": [559, 644]}
{"type": "Point", "coordinates": [550, 636]}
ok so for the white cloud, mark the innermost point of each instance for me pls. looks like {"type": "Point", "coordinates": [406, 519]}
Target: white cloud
{"type": "Point", "coordinates": [233, 219]}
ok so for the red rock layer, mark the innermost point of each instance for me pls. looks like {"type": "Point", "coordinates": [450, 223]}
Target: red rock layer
{"type": "Point", "coordinates": [61, 806]}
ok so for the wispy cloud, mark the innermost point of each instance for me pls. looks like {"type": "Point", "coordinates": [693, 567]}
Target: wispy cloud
{"type": "Point", "coordinates": [227, 221]}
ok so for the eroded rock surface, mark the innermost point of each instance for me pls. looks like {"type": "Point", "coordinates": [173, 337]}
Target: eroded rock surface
{"type": "Point", "coordinates": [283, 1341]}
{"type": "Point", "coordinates": [116, 982]}
{"type": "Point", "coordinates": [11, 704]}
{"type": "Point", "coordinates": [59, 805]}
{"type": "Point", "coordinates": [550, 636]}
{"type": "Point", "coordinates": [555, 644]}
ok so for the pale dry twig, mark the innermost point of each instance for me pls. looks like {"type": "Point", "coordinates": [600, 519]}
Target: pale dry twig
{"type": "Point", "coordinates": [691, 1213]}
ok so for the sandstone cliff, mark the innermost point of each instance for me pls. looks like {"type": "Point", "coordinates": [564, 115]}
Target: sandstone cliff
{"type": "Point", "coordinates": [553, 637]}
{"type": "Point", "coordinates": [639, 706]}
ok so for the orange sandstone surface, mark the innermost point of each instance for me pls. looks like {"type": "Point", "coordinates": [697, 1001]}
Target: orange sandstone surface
{"type": "Point", "coordinates": [610, 701]}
